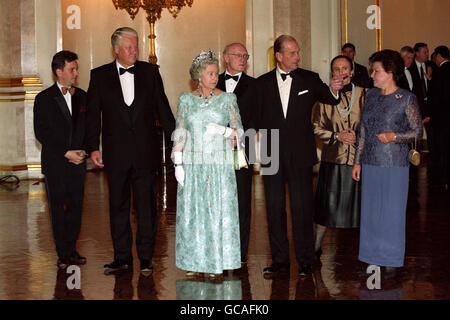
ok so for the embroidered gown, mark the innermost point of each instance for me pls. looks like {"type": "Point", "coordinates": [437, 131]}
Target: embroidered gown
{"type": "Point", "coordinates": [207, 222]}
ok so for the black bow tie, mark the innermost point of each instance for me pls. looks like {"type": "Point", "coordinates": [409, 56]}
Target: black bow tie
{"type": "Point", "coordinates": [229, 76]}
{"type": "Point", "coordinates": [130, 70]}
{"type": "Point", "coordinates": [284, 75]}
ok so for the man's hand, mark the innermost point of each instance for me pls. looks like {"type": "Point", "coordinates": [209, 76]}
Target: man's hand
{"type": "Point", "coordinates": [336, 84]}
{"type": "Point", "coordinates": [426, 120]}
{"type": "Point", "coordinates": [75, 156]}
{"type": "Point", "coordinates": [97, 159]}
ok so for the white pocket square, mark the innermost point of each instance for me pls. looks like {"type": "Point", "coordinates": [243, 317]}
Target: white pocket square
{"type": "Point", "coordinates": [303, 92]}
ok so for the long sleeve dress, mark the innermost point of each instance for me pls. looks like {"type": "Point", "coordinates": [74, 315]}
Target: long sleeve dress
{"type": "Point", "coordinates": [385, 174]}
{"type": "Point", "coordinates": [207, 222]}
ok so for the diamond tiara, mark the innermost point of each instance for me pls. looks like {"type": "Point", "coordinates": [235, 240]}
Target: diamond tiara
{"type": "Point", "coordinates": [203, 56]}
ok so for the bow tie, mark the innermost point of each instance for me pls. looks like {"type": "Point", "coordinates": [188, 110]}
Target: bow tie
{"type": "Point", "coordinates": [65, 89]}
{"type": "Point", "coordinates": [130, 70]}
{"type": "Point", "coordinates": [284, 75]}
{"type": "Point", "coordinates": [228, 76]}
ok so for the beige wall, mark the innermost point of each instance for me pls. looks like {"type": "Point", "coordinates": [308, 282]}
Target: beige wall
{"type": "Point", "coordinates": [412, 21]}
{"type": "Point", "coordinates": [203, 26]}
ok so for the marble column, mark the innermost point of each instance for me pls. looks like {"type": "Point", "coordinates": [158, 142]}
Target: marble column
{"type": "Point", "coordinates": [27, 45]}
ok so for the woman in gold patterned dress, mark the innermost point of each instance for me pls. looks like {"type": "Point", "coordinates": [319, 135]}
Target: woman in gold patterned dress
{"type": "Point", "coordinates": [337, 195]}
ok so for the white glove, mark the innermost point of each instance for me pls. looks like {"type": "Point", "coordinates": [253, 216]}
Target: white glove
{"type": "Point", "coordinates": [179, 174]}
{"type": "Point", "coordinates": [214, 128]}
{"type": "Point", "coordinates": [179, 171]}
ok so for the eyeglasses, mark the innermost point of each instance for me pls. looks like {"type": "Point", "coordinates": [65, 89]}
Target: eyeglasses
{"type": "Point", "coordinates": [240, 56]}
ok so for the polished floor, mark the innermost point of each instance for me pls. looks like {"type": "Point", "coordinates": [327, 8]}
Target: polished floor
{"type": "Point", "coordinates": [28, 271]}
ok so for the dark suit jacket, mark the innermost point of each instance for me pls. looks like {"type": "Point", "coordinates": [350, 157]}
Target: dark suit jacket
{"type": "Point", "coordinates": [57, 130]}
{"type": "Point", "coordinates": [129, 134]}
{"type": "Point", "coordinates": [440, 95]}
{"type": "Point", "coordinates": [241, 90]}
{"type": "Point", "coordinates": [296, 131]}
{"type": "Point", "coordinates": [403, 82]}
{"type": "Point", "coordinates": [418, 90]}
{"type": "Point", "coordinates": [361, 77]}
{"type": "Point", "coordinates": [242, 93]}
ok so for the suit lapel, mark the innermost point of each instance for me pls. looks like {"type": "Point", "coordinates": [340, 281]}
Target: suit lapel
{"type": "Point", "coordinates": [64, 108]}
{"type": "Point", "coordinates": [273, 86]}
{"type": "Point", "coordinates": [296, 85]}
{"type": "Point", "coordinates": [221, 82]}
{"type": "Point", "coordinates": [241, 85]}
{"type": "Point", "coordinates": [139, 89]}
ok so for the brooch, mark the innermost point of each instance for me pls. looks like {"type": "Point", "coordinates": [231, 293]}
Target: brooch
{"type": "Point", "coordinates": [398, 96]}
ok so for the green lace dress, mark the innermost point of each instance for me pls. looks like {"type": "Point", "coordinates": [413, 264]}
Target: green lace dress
{"type": "Point", "coordinates": [207, 222]}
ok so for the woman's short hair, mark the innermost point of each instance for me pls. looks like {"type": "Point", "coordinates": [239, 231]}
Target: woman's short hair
{"type": "Point", "coordinates": [116, 38]}
{"type": "Point", "coordinates": [200, 63]}
{"type": "Point", "coordinates": [341, 57]}
{"type": "Point", "coordinates": [391, 62]}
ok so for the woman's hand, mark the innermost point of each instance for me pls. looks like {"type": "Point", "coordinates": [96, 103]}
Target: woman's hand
{"type": "Point", "coordinates": [356, 172]}
{"type": "Point", "coordinates": [386, 137]}
{"type": "Point", "coordinates": [347, 136]}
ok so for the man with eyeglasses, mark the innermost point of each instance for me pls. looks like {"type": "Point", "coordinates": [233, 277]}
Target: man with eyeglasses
{"type": "Point", "coordinates": [235, 80]}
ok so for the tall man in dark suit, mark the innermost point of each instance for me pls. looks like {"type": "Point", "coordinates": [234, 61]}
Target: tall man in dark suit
{"type": "Point", "coordinates": [361, 75]}
{"type": "Point", "coordinates": [283, 102]}
{"type": "Point", "coordinates": [235, 80]}
{"type": "Point", "coordinates": [123, 97]}
{"type": "Point", "coordinates": [440, 101]}
{"type": "Point", "coordinates": [421, 86]}
{"type": "Point", "coordinates": [59, 125]}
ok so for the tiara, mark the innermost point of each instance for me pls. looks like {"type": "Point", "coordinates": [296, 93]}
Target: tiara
{"type": "Point", "coordinates": [210, 55]}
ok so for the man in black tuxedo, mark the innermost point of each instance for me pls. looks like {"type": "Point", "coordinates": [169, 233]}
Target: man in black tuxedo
{"type": "Point", "coordinates": [440, 101]}
{"type": "Point", "coordinates": [406, 81]}
{"type": "Point", "coordinates": [235, 80]}
{"type": "Point", "coordinates": [283, 102]}
{"type": "Point", "coordinates": [123, 98]}
{"type": "Point", "coordinates": [361, 75]}
{"type": "Point", "coordinates": [421, 86]}
{"type": "Point", "coordinates": [59, 125]}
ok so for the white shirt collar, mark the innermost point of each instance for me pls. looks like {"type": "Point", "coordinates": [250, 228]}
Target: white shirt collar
{"type": "Point", "coordinates": [443, 63]}
{"type": "Point", "coordinates": [60, 86]}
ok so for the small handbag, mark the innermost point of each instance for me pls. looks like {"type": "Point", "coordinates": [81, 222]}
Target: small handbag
{"type": "Point", "coordinates": [240, 159]}
{"type": "Point", "coordinates": [414, 155]}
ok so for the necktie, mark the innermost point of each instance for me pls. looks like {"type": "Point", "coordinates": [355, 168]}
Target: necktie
{"type": "Point", "coordinates": [130, 70]}
{"type": "Point", "coordinates": [229, 76]}
{"type": "Point", "coordinates": [422, 76]}
{"type": "Point", "coordinates": [284, 75]}
{"type": "Point", "coordinates": [65, 89]}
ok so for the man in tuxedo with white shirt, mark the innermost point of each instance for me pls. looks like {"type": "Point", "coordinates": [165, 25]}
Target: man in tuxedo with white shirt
{"type": "Point", "coordinates": [235, 80]}
{"type": "Point", "coordinates": [421, 86]}
{"type": "Point", "coordinates": [360, 74]}
{"type": "Point", "coordinates": [123, 98]}
{"type": "Point", "coordinates": [59, 125]}
{"type": "Point", "coordinates": [283, 102]}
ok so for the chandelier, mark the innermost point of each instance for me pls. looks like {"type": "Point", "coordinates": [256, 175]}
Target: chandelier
{"type": "Point", "coordinates": [153, 8]}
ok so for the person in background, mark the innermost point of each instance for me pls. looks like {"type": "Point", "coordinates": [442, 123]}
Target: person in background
{"type": "Point", "coordinates": [235, 80]}
{"type": "Point", "coordinates": [361, 75]}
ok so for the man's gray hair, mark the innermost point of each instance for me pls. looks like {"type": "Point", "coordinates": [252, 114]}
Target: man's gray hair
{"type": "Point", "coordinates": [405, 50]}
{"type": "Point", "coordinates": [116, 38]}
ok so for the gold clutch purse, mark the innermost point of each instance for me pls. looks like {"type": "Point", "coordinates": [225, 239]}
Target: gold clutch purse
{"type": "Point", "coordinates": [414, 155]}
{"type": "Point", "coordinates": [240, 159]}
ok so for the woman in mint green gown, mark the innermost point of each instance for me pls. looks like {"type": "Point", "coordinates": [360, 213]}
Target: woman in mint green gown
{"type": "Point", "coordinates": [207, 222]}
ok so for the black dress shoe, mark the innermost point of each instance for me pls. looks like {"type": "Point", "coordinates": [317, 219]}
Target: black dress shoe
{"type": "Point", "coordinates": [117, 265]}
{"type": "Point", "coordinates": [146, 268]}
{"type": "Point", "coordinates": [304, 269]}
{"type": "Point", "coordinates": [277, 267]}
{"type": "Point", "coordinates": [389, 272]}
{"type": "Point", "coordinates": [77, 259]}
{"type": "Point", "coordinates": [62, 263]}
